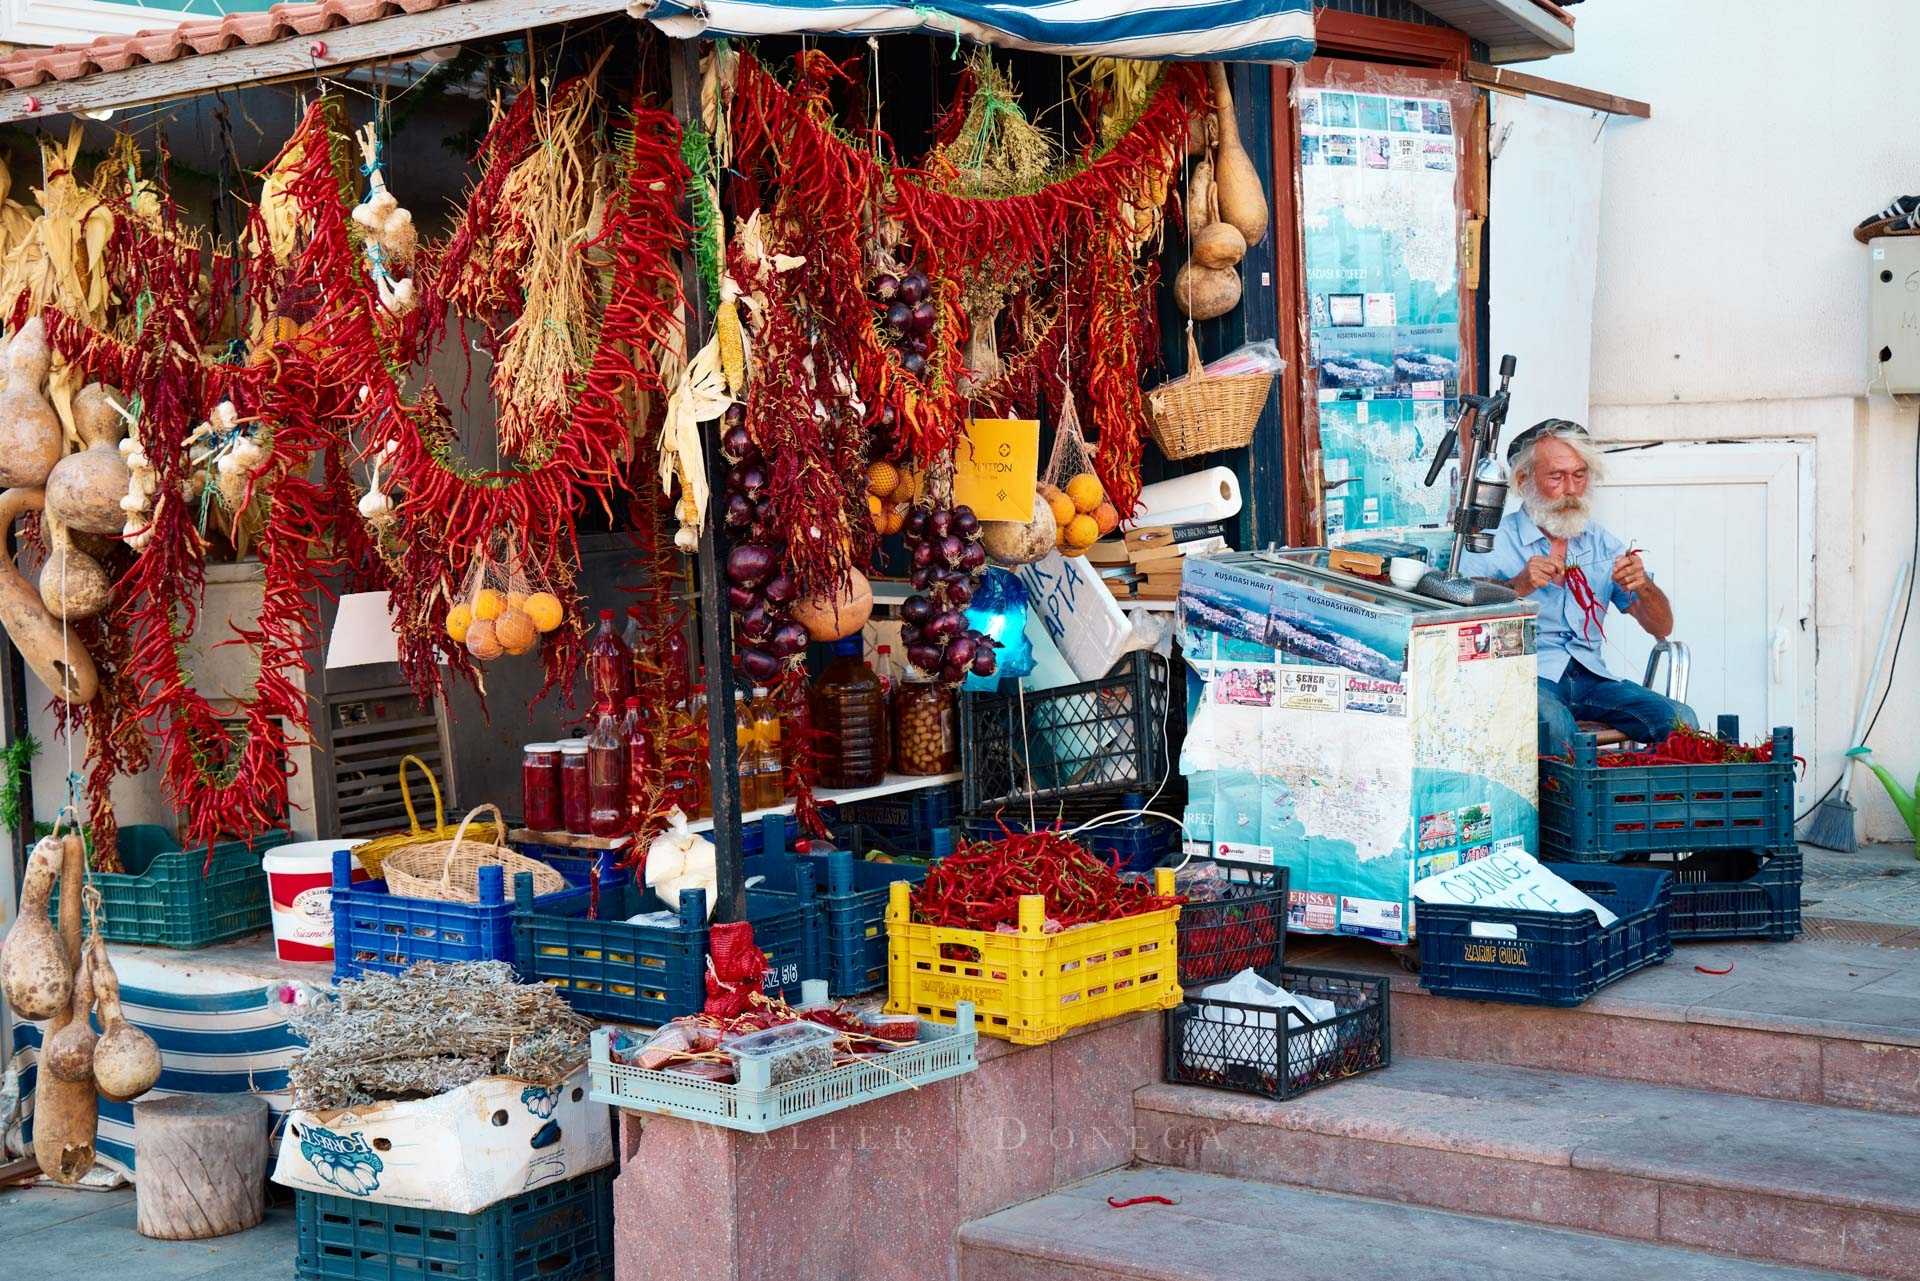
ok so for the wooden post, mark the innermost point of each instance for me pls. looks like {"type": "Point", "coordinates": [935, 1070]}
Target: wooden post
{"type": "Point", "coordinates": [202, 1165]}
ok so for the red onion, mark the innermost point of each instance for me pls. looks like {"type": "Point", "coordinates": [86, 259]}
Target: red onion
{"type": "Point", "coordinates": [740, 510]}
{"type": "Point", "coordinates": [952, 549]}
{"type": "Point", "coordinates": [940, 522]}
{"type": "Point", "coordinates": [946, 625]}
{"type": "Point", "coordinates": [964, 521]}
{"type": "Point", "coordinates": [781, 588]}
{"type": "Point", "coordinates": [913, 363]}
{"type": "Point", "coordinates": [973, 556]}
{"type": "Point", "coordinates": [916, 610]}
{"type": "Point", "coordinates": [926, 657]}
{"type": "Point", "coordinates": [922, 555]}
{"type": "Point", "coordinates": [736, 444]}
{"type": "Point", "coordinates": [921, 579]}
{"type": "Point", "coordinates": [736, 413]}
{"type": "Point", "coordinates": [910, 634]}
{"type": "Point", "coordinates": [921, 321]}
{"type": "Point", "coordinates": [788, 639]}
{"type": "Point", "coordinates": [913, 287]}
{"type": "Point", "coordinates": [985, 662]}
{"type": "Point", "coordinates": [758, 664]}
{"type": "Point", "coordinates": [884, 287]}
{"type": "Point", "coordinates": [916, 521]}
{"type": "Point", "coordinates": [951, 672]}
{"type": "Point", "coordinates": [752, 478]}
{"type": "Point", "coordinates": [961, 649]}
{"type": "Point", "coordinates": [960, 594]}
{"type": "Point", "coordinates": [749, 565]}
{"type": "Point", "coordinates": [740, 598]}
{"type": "Point", "coordinates": [754, 622]}
{"type": "Point", "coordinates": [899, 317]}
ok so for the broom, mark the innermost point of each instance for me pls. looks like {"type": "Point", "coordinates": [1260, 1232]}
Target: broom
{"type": "Point", "coordinates": [1832, 827]}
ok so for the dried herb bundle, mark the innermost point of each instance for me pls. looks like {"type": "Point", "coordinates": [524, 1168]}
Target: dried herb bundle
{"type": "Point", "coordinates": [437, 1027]}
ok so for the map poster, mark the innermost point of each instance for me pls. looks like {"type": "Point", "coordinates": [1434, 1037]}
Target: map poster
{"type": "Point", "coordinates": [1380, 226]}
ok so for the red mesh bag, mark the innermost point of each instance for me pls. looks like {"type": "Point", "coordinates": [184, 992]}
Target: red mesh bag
{"type": "Point", "coordinates": [735, 968]}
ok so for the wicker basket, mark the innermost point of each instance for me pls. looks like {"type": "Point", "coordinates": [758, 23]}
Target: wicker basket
{"type": "Point", "coordinates": [372, 853]}
{"type": "Point", "coordinates": [449, 870]}
{"type": "Point", "coordinates": [1198, 413]}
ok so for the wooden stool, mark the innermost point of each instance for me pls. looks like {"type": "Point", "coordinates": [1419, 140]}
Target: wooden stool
{"type": "Point", "coordinates": [200, 1165]}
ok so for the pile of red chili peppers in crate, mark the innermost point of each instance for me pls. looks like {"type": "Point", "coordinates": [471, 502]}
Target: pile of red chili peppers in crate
{"type": "Point", "coordinates": [980, 885]}
{"type": "Point", "coordinates": [1687, 746]}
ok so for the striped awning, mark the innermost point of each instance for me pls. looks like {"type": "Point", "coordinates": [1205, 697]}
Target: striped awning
{"type": "Point", "coordinates": [1172, 30]}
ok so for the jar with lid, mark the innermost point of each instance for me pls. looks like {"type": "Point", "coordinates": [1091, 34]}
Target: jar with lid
{"type": "Point", "coordinates": [540, 786]}
{"type": "Point", "coordinates": [576, 802]}
{"type": "Point", "coordinates": [926, 738]}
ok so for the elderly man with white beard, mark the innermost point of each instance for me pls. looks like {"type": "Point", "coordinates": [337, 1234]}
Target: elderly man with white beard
{"type": "Point", "coordinates": [1543, 550]}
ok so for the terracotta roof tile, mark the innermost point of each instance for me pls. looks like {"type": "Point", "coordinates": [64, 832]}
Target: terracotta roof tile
{"type": "Point", "coordinates": [26, 68]}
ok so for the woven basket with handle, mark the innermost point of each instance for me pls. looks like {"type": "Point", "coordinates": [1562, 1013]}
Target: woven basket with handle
{"type": "Point", "coordinates": [449, 870]}
{"type": "Point", "coordinates": [372, 853]}
{"type": "Point", "coordinates": [1198, 413]}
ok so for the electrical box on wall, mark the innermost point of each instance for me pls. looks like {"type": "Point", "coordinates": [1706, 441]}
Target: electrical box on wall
{"type": "Point", "coordinates": [1894, 285]}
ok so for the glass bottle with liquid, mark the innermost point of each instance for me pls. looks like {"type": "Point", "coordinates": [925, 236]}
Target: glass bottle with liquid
{"type": "Point", "coordinates": [769, 766]}
{"type": "Point", "coordinates": [609, 667]}
{"type": "Point", "coordinates": [606, 779]}
{"type": "Point", "coordinates": [638, 677]}
{"type": "Point", "coordinates": [890, 681]}
{"type": "Point", "coordinates": [642, 762]}
{"type": "Point", "coordinates": [703, 771]}
{"type": "Point", "coordinates": [847, 714]}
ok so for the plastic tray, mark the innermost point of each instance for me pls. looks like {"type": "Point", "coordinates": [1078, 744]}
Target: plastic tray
{"type": "Point", "coordinates": [648, 974]}
{"type": "Point", "coordinates": [853, 905]}
{"type": "Point", "coordinates": [941, 1052]}
{"type": "Point", "coordinates": [559, 1232]}
{"type": "Point", "coordinates": [1591, 814]}
{"type": "Point", "coordinates": [1733, 894]}
{"type": "Point", "coordinates": [1098, 735]}
{"type": "Point", "coordinates": [375, 932]}
{"type": "Point", "coordinates": [1245, 930]}
{"type": "Point", "coordinates": [1548, 958]}
{"type": "Point", "coordinates": [1031, 986]}
{"type": "Point", "coordinates": [1228, 1045]}
{"type": "Point", "coordinates": [173, 898]}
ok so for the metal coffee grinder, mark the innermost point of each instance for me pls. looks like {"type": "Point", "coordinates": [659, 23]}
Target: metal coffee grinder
{"type": "Point", "coordinates": [1480, 499]}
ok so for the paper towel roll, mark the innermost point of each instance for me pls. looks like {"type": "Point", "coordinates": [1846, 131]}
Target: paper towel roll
{"type": "Point", "coordinates": [1213, 494]}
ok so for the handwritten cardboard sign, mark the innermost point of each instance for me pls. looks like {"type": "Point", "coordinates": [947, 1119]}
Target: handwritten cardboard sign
{"type": "Point", "coordinates": [1510, 879]}
{"type": "Point", "coordinates": [995, 466]}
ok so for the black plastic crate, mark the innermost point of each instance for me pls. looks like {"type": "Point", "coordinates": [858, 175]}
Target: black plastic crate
{"type": "Point", "coordinates": [559, 1232]}
{"type": "Point", "coordinates": [1105, 734]}
{"type": "Point", "coordinates": [1548, 958]}
{"type": "Point", "coordinates": [1733, 894]}
{"type": "Point", "coordinates": [1244, 929]}
{"type": "Point", "coordinates": [927, 808]}
{"type": "Point", "coordinates": [1229, 1045]}
{"type": "Point", "coordinates": [1590, 813]}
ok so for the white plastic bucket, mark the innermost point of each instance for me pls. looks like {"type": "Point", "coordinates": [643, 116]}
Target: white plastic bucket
{"type": "Point", "coordinates": [300, 883]}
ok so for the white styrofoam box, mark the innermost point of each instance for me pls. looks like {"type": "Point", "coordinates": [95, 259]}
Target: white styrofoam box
{"type": "Point", "coordinates": [460, 1151]}
{"type": "Point", "coordinates": [1079, 614]}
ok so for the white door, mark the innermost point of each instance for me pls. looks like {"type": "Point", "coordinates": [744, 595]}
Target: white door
{"type": "Point", "coordinates": [1727, 532]}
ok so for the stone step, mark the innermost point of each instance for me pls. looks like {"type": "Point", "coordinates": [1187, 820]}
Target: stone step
{"type": "Point", "coordinates": [1231, 1230]}
{"type": "Point", "coordinates": [1785, 1182]}
{"type": "Point", "coordinates": [1816, 1022]}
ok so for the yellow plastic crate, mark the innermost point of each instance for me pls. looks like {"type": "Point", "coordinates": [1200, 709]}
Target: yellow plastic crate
{"type": "Point", "coordinates": [1031, 986]}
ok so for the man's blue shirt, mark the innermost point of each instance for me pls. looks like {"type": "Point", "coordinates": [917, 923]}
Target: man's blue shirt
{"type": "Point", "coordinates": [1563, 631]}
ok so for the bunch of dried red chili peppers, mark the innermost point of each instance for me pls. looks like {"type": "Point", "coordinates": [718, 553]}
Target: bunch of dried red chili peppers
{"type": "Point", "coordinates": [1687, 746]}
{"type": "Point", "coordinates": [979, 887]}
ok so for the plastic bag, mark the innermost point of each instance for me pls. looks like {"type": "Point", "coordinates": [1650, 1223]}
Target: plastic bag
{"type": "Point", "coordinates": [1261, 357]}
{"type": "Point", "coordinates": [999, 610]}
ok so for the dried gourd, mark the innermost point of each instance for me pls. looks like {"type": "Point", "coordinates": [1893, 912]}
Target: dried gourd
{"type": "Point", "coordinates": [1219, 246]}
{"type": "Point", "coordinates": [1200, 211]}
{"type": "Point", "coordinates": [126, 1063]}
{"type": "Point", "coordinates": [66, 1113]}
{"type": "Point", "coordinates": [33, 965]}
{"type": "Point", "coordinates": [1205, 292]}
{"type": "Point", "coordinates": [69, 1052]}
{"type": "Point", "coordinates": [73, 586]}
{"type": "Point", "coordinates": [1241, 199]}
{"type": "Point", "coordinates": [31, 440]}
{"type": "Point", "coordinates": [57, 658]}
{"type": "Point", "coordinates": [1013, 542]}
{"type": "Point", "coordinates": [85, 488]}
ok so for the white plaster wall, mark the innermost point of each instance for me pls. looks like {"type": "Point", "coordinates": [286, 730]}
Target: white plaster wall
{"type": "Point", "coordinates": [1731, 296]}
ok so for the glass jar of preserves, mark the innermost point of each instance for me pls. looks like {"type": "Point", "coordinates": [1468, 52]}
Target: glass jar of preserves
{"type": "Point", "coordinates": [576, 796]}
{"type": "Point", "coordinates": [926, 737]}
{"type": "Point", "coordinates": [540, 786]}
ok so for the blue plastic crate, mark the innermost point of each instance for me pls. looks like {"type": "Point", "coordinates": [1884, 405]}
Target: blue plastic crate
{"type": "Point", "coordinates": [1733, 894]}
{"type": "Point", "coordinates": [375, 932]}
{"type": "Point", "coordinates": [1548, 958]}
{"type": "Point", "coordinates": [578, 865]}
{"type": "Point", "coordinates": [1592, 814]}
{"type": "Point", "coordinates": [559, 1232]}
{"type": "Point", "coordinates": [923, 810]}
{"type": "Point", "coordinates": [632, 973]}
{"type": "Point", "coordinates": [1139, 843]}
{"type": "Point", "coordinates": [853, 906]}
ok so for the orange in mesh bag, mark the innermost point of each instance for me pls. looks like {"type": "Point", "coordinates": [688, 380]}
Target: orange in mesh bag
{"type": "Point", "coordinates": [1072, 490]}
{"type": "Point", "coordinates": [505, 606]}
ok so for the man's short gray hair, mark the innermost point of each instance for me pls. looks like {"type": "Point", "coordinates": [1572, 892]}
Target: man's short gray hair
{"type": "Point", "coordinates": [1571, 433]}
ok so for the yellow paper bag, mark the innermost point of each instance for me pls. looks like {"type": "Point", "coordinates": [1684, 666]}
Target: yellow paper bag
{"type": "Point", "coordinates": [995, 467]}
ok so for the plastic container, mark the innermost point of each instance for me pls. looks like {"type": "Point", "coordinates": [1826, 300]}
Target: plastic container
{"type": "Point", "coordinates": [1548, 958]}
{"type": "Point", "coordinates": [557, 1232]}
{"type": "Point", "coordinates": [1733, 894]}
{"type": "Point", "coordinates": [1030, 987]}
{"type": "Point", "coordinates": [378, 932]}
{"type": "Point", "coordinates": [941, 1052]}
{"type": "Point", "coordinates": [300, 886]}
{"type": "Point", "coordinates": [1592, 814]}
{"type": "Point", "coordinates": [609, 666]}
{"type": "Point", "coordinates": [852, 895]}
{"type": "Point", "coordinates": [176, 898]}
{"type": "Point", "coordinates": [630, 973]}
{"type": "Point", "coordinates": [779, 1054]}
{"type": "Point", "coordinates": [1102, 734]}
{"type": "Point", "coordinates": [847, 715]}
{"type": "Point", "coordinates": [1246, 929]}
{"type": "Point", "coordinates": [540, 787]}
{"type": "Point", "coordinates": [926, 734]}
{"type": "Point", "coordinates": [1277, 1054]}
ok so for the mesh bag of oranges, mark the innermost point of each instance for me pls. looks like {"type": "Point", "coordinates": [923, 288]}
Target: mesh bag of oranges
{"type": "Point", "coordinates": [504, 607]}
{"type": "Point", "coordinates": [891, 489]}
{"type": "Point", "coordinates": [1072, 491]}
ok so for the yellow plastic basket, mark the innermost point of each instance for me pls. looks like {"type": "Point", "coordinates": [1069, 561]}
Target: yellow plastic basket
{"type": "Point", "coordinates": [373, 852]}
{"type": "Point", "coordinates": [1030, 987]}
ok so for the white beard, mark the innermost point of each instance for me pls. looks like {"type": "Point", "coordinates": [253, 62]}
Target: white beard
{"type": "Point", "coordinates": [1564, 518]}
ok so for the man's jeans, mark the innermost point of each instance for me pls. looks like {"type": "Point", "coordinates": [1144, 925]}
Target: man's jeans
{"type": "Point", "coordinates": [1579, 695]}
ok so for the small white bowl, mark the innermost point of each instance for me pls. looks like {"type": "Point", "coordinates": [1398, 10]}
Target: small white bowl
{"type": "Point", "coordinates": [1404, 572]}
